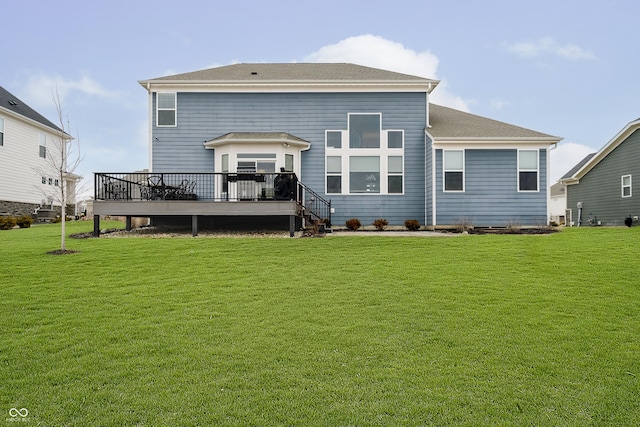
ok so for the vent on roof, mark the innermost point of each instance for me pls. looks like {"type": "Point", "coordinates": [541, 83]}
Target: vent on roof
{"type": "Point", "coordinates": [14, 103]}
{"type": "Point", "coordinates": [254, 73]}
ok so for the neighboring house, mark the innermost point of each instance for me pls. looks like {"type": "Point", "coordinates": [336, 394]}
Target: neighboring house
{"type": "Point", "coordinates": [600, 188]}
{"type": "Point", "coordinates": [367, 140]}
{"type": "Point", "coordinates": [558, 203]}
{"type": "Point", "coordinates": [29, 147]}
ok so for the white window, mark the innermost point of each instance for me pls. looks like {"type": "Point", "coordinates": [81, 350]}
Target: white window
{"type": "Point", "coordinates": [528, 170]}
{"type": "Point", "coordinates": [626, 186]}
{"type": "Point", "coordinates": [166, 109]}
{"type": "Point", "coordinates": [334, 174]}
{"type": "Point", "coordinates": [364, 130]}
{"type": "Point", "coordinates": [364, 174]}
{"type": "Point", "coordinates": [334, 139]}
{"type": "Point", "coordinates": [1, 131]}
{"type": "Point", "coordinates": [394, 177]}
{"type": "Point", "coordinates": [364, 158]}
{"type": "Point", "coordinates": [395, 139]}
{"type": "Point", "coordinates": [453, 170]}
{"type": "Point", "coordinates": [43, 145]}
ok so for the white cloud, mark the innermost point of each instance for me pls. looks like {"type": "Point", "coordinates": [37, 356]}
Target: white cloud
{"type": "Point", "coordinates": [548, 45]}
{"type": "Point", "coordinates": [41, 89]}
{"type": "Point", "coordinates": [564, 157]}
{"type": "Point", "coordinates": [499, 104]}
{"type": "Point", "coordinates": [375, 51]}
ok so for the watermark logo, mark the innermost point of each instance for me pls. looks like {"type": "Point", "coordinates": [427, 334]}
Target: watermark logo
{"type": "Point", "coordinates": [18, 414]}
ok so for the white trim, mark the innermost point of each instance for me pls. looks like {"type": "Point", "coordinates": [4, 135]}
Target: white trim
{"type": "Point", "coordinates": [150, 131]}
{"type": "Point", "coordinates": [445, 170]}
{"type": "Point", "coordinates": [537, 171]}
{"type": "Point", "coordinates": [622, 186]}
{"type": "Point", "coordinates": [207, 86]}
{"type": "Point", "coordinates": [510, 144]}
{"type": "Point", "coordinates": [383, 153]}
{"type": "Point", "coordinates": [175, 109]}
{"type": "Point", "coordinates": [620, 137]}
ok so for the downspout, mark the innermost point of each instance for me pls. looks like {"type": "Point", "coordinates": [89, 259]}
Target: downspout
{"type": "Point", "coordinates": [150, 127]}
{"type": "Point", "coordinates": [552, 147]}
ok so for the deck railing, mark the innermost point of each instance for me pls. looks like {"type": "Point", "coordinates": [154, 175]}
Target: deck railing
{"type": "Point", "coordinates": [224, 187]}
{"type": "Point", "coordinates": [195, 186]}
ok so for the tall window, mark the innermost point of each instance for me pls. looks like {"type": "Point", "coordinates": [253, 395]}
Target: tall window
{"type": "Point", "coordinates": [166, 109]}
{"type": "Point", "coordinates": [453, 170]}
{"type": "Point", "coordinates": [626, 186]}
{"type": "Point", "coordinates": [364, 158]}
{"type": "Point", "coordinates": [395, 174]}
{"type": "Point", "coordinates": [364, 130]}
{"type": "Point", "coordinates": [43, 145]}
{"type": "Point", "coordinates": [334, 174]}
{"type": "Point", "coordinates": [1, 131]}
{"type": "Point", "coordinates": [528, 170]}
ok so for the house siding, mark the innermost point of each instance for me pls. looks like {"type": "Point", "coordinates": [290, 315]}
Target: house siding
{"type": "Point", "coordinates": [204, 116]}
{"type": "Point", "coordinates": [21, 167]}
{"type": "Point", "coordinates": [600, 189]}
{"type": "Point", "coordinates": [491, 196]}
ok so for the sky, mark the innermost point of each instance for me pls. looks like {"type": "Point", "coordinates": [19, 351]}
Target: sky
{"type": "Point", "coordinates": [568, 68]}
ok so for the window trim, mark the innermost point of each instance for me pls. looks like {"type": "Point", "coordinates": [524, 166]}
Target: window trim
{"type": "Point", "coordinates": [536, 170]}
{"type": "Point", "coordinates": [1, 131]}
{"type": "Point", "coordinates": [174, 109]}
{"type": "Point", "coordinates": [445, 170]}
{"type": "Point", "coordinates": [629, 186]}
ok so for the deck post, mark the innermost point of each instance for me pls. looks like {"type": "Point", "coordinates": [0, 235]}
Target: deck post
{"type": "Point", "coordinates": [292, 225]}
{"type": "Point", "coordinates": [194, 225]}
{"type": "Point", "coordinates": [128, 223]}
{"type": "Point", "coordinates": [96, 226]}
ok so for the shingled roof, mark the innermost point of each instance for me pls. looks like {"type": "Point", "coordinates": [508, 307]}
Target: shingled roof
{"type": "Point", "coordinates": [12, 103]}
{"type": "Point", "coordinates": [325, 72]}
{"type": "Point", "coordinates": [450, 124]}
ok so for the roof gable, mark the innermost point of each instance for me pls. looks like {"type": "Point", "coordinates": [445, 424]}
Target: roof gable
{"type": "Point", "coordinates": [306, 77]}
{"type": "Point", "coordinates": [582, 168]}
{"type": "Point", "coordinates": [11, 103]}
{"type": "Point", "coordinates": [292, 72]}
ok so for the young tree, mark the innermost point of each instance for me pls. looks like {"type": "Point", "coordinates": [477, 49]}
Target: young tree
{"type": "Point", "coordinates": [62, 162]}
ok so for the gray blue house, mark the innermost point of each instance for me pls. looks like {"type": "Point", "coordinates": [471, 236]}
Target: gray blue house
{"type": "Point", "coordinates": [600, 187]}
{"type": "Point", "coordinates": [357, 141]}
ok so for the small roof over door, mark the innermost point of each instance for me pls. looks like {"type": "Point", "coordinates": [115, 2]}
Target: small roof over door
{"type": "Point", "coordinates": [258, 138]}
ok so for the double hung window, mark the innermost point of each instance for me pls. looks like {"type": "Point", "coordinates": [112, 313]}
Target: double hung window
{"type": "Point", "coordinates": [453, 170]}
{"type": "Point", "coordinates": [528, 170]}
{"type": "Point", "coordinates": [166, 106]}
{"type": "Point", "coordinates": [626, 186]}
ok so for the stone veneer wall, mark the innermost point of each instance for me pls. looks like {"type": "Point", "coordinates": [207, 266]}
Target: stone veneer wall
{"type": "Point", "coordinates": [19, 209]}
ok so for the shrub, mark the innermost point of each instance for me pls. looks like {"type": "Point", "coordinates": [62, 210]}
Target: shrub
{"type": "Point", "coordinates": [24, 221]}
{"type": "Point", "coordinates": [380, 223]}
{"type": "Point", "coordinates": [353, 224]}
{"type": "Point", "coordinates": [7, 222]}
{"type": "Point", "coordinates": [412, 224]}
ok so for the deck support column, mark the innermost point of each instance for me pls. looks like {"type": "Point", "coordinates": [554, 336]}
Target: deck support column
{"type": "Point", "coordinates": [194, 225]}
{"type": "Point", "coordinates": [96, 226]}
{"type": "Point", "coordinates": [128, 223]}
{"type": "Point", "coordinates": [292, 225]}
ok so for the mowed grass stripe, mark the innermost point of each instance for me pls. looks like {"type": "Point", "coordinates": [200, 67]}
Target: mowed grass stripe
{"type": "Point", "coordinates": [471, 330]}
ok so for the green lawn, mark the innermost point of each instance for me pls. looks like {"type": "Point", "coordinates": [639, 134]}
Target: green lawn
{"type": "Point", "coordinates": [474, 330]}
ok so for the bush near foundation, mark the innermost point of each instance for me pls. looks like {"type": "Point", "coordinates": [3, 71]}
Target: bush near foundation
{"type": "Point", "coordinates": [7, 222]}
{"type": "Point", "coordinates": [353, 224]}
{"type": "Point", "coordinates": [412, 224]}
